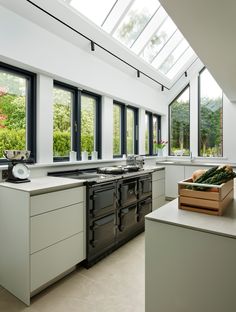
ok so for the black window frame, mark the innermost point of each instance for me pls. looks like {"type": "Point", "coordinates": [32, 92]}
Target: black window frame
{"type": "Point", "coordinates": [136, 129]}
{"type": "Point", "coordinates": [98, 126]}
{"type": "Point", "coordinates": [31, 125]}
{"type": "Point", "coordinates": [124, 128]}
{"type": "Point", "coordinates": [199, 115]}
{"type": "Point", "coordinates": [169, 123]}
{"type": "Point", "coordinates": [151, 137]}
{"type": "Point", "coordinates": [74, 127]}
{"type": "Point", "coordinates": [76, 120]}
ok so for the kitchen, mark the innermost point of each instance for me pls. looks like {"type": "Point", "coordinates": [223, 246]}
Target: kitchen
{"type": "Point", "coordinates": [47, 55]}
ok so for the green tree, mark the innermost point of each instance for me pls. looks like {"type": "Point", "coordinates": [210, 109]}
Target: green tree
{"type": "Point", "coordinates": [179, 127]}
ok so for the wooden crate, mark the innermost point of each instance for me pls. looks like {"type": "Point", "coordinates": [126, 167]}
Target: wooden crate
{"type": "Point", "coordinates": [209, 202]}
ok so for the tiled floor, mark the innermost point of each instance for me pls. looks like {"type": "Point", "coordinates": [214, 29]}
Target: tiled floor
{"type": "Point", "coordinates": [114, 284]}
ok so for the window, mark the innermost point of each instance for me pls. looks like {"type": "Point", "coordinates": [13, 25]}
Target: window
{"type": "Point", "coordinates": [117, 129]}
{"type": "Point", "coordinates": [76, 122]}
{"type": "Point", "coordinates": [125, 130]}
{"type": "Point", "coordinates": [63, 101]}
{"type": "Point", "coordinates": [90, 123]}
{"type": "Point", "coordinates": [179, 129]}
{"type": "Point", "coordinates": [152, 132]}
{"type": "Point", "coordinates": [156, 132]}
{"type": "Point", "coordinates": [17, 110]}
{"type": "Point", "coordinates": [210, 116]}
{"type": "Point", "coordinates": [131, 130]}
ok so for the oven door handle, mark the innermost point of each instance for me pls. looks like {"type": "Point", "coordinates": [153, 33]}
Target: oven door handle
{"type": "Point", "coordinates": [93, 197]}
{"type": "Point", "coordinates": [93, 242]}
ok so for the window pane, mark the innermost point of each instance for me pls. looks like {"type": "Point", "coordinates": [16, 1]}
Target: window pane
{"type": "Point", "coordinates": [135, 20]}
{"type": "Point", "coordinates": [179, 125]}
{"type": "Point", "coordinates": [13, 101]}
{"type": "Point", "coordinates": [158, 40]}
{"type": "Point", "coordinates": [173, 57]}
{"type": "Point", "coordinates": [88, 123]}
{"type": "Point", "coordinates": [130, 131]}
{"type": "Point", "coordinates": [62, 104]}
{"type": "Point", "coordinates": [116, 130]}
{"type": "Point", "coordinates": [211, 116]}
{"type": "Point", "coordinates": [155, 133]}
{"type": "Point", "coordinates": [96, 11]}
{"type": "Point", "coordinates": [147, 134]}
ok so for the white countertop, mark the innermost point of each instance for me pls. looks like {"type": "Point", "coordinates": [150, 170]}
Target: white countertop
{"type": "Point", "coordinates": [44, 184]}
{"type": "Point", "coordinates": [222, 225]}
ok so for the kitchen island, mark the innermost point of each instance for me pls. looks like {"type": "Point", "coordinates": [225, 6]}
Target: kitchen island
{"type": "Point", "coordinates": [190, 260]}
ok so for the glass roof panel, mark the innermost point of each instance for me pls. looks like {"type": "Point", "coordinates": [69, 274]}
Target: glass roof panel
{"type": "Point", "coordinates": [187, 55]}
{"type": "Point", "coordinates": [167, 49]}
{"type": "Point", "coordinates": [135, 21]}
{"type": "Point", "coordinates": [174, 56]}
{"type": "Point", "coordinates": [96, 11]}
{"type": "Point", "coordinates": [151, 28]}
{"type": "Point", "coordinates": [163, 34]}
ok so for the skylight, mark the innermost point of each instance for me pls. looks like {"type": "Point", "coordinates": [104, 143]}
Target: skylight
{"type": "Point", "coordinates": [144, 27]}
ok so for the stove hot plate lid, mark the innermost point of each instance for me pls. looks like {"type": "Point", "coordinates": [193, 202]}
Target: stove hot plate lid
{"type": "Point", "coordinates": [111, 170]}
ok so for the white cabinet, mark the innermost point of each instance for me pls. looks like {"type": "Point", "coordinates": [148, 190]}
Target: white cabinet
{"type": "Point", "coordinates": [174, 174]}
{"type": "Point", "coordinates": [41, 237]}
{"type": "Point", "coordinates": [158, 188]}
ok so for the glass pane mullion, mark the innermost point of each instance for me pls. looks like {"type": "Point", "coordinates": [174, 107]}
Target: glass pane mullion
{"type": "Point", "coordinates": [143, 31]}
{"type": "Point", "coordinates": [183, 61]}
{"type": "Point", "coordinates": [167, 49]}
{"type": "Point", "coordinates": [145, 37]}
{"type": "Point", "coordinates": [116, 15]}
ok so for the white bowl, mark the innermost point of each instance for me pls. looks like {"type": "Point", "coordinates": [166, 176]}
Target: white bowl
{"type": "Point", "coordinates": [16, 154]}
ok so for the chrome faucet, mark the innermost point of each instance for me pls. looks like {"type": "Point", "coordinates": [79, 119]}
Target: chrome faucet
{"type": "Point", "coordinates": [191, 157]}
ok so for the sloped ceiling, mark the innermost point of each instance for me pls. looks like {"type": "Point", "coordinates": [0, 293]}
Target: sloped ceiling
{"type": "Point", "coordinates": [210, 28]}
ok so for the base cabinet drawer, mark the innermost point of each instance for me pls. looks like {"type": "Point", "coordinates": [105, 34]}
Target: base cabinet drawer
{"type": "Point", "coordinates": [51, 201]}
{"type": "Point", "coordinates": [158, 188]}
{"type": "Point", "coordinates": [158, 202]}
{"type": "Point", "coordinates": [158, 175]}
{"type": "Point", "coordinates": [54, 226]}
{"type": "Point", "coordinates": [55, 260]}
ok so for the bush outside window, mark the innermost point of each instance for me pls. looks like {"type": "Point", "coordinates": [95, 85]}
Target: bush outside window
{"type": "Point", "coordinates": [117, 130]}
{"type": "Point", "coordinates": [62, 107]}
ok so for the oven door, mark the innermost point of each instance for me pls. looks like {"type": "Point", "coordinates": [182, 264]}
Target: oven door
{"type": "Point", "coordinates": [127, 221]}
{"type": "Point", "coordinates": [145, 186]}
{"type": "Point", "coordinates": [128, 191]}
{"type": "Point", "coordinates": [101, 235]}
{"type": "Point", "coordinates": [102, 200]}
{"type": "Point", "coordinates": [144, 207]}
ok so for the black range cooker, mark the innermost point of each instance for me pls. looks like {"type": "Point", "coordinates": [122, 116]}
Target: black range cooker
{"type": "Point", "coordinates": [117, 201]}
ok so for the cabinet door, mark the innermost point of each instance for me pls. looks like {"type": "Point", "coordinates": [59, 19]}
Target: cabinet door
{"type": "Point", "coordinates": [55, 260]}
{"type": "Point", "coordinates": [174, 174]}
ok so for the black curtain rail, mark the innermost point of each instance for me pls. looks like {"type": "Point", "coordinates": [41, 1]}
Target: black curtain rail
{"type": "Point", "coordinates": [93, 43]}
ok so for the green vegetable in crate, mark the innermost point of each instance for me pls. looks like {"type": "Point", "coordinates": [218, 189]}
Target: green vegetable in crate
{"type": "Point", "coordinates": [209, 173]}
{"type": "Point", "coordinates": [216, 176]}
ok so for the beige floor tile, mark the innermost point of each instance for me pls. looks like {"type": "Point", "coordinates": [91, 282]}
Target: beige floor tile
{"type": "Point", "coordinates": [9, 303]}
{"type": "Point", "coordinates": [114, 284]}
